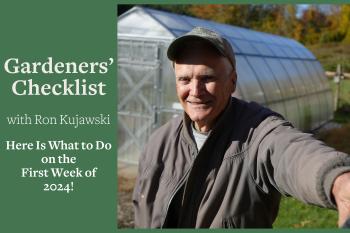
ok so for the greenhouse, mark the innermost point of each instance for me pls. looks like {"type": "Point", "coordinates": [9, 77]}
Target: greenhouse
{"type": "Point", "coordinates": [275, 71]}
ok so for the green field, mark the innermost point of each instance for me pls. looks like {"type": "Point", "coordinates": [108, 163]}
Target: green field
{"type": "Point", "coordinates": [332, 54]}
{"type": "Point", "coordinates": [295, 214]}
{"type": "Point", "coordinates": [342, 115]}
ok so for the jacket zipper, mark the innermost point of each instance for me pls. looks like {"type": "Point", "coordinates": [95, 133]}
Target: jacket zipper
{"type": "Point", "coordinates": [177, 189]}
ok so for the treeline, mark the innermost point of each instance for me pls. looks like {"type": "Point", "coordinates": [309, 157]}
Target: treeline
{"type": "Point", "coordinates": [313, 26]}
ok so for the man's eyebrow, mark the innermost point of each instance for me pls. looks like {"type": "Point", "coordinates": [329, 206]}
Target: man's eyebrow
{"type": "Point", "coordinates": [182, 76]}
{"type": "Point", "coordinates": [207, 75]}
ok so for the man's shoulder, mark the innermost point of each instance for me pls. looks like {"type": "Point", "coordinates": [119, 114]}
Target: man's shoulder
{"type": "Point", "coordinates": [159, 140]}
{"type": "Point", "coordinates": [252, 117]}
{"type": "Point", "coordinates": [167, 131]}
{"type": "Point", "coordinates": [252, 111]}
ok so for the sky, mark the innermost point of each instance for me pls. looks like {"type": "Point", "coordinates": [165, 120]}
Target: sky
{"type": "Point", "coordinates": [301, 8]}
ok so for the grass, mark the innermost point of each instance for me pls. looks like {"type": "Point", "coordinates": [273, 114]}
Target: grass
{"type": "Point", "coordinates": [343, 113]}
{"type": "Point", "coordinates": [332, 54]}
{"type": "Point", "coordinates": [295, 214]}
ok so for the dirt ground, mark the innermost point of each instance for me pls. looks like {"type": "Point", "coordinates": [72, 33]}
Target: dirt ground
{"type": "Point", "coordinates": [125, 209]}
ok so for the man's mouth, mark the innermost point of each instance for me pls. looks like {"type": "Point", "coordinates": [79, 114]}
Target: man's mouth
{"type": "Point", "coordinates": [199, 102]}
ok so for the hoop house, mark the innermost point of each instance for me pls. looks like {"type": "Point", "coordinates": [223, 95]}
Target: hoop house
{"type": "Point", "coordinates": [274, 71]}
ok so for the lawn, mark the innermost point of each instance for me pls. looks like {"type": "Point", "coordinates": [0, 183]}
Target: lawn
{"type": "Point", "coordinates": [295, 214]}
{"type": "Point", "coordinates": [332, 54]}
{"type": "Point", "coordinates": [342, 115]}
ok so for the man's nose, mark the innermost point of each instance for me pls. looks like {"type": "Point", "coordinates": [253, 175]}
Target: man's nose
{"type": "Point", "coordinates": [197, 88]}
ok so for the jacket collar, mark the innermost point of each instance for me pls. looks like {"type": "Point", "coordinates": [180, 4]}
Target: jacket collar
{"type": "Point", "coordinates": [219, 127]}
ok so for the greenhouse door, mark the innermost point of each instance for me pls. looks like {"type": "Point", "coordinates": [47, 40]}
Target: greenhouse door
{"type": "Point", "coordinates": [138, 101]}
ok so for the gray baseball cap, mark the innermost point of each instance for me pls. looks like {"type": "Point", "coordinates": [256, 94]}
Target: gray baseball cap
{"type": "Point", "coordinates": [199, 33]}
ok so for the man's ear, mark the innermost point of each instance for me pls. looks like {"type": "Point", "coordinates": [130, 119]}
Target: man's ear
{"type": "Point", "coordinates": [234, 80]}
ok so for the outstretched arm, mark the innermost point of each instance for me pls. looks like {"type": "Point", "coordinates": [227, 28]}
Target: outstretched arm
{"type": "Point", "coordinates": [341, 194]}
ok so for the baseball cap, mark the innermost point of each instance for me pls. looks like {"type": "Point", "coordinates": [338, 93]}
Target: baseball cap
{"type": "Point", "coordinates": [199, 33]}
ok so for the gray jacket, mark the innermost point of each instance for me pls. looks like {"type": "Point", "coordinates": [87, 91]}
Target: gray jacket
{"type": "Point", "coordinates": [251, 157]}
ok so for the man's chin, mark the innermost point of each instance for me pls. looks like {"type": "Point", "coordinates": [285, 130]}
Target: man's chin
{"type": "Point", "coordinates": [198, 117]}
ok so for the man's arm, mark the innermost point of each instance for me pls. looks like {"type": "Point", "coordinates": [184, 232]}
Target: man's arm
{"type": "Point", "coordinates": [341, 194]}
{"type": "Point", "coordinates": [296, 164]}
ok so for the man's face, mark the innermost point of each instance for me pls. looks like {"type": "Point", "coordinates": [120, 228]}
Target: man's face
{"type": "Point", "coordinates": [204, 83]}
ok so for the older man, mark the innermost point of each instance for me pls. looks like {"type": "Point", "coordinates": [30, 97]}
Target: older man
{"type": "Point", "coordinates": [226, 162]}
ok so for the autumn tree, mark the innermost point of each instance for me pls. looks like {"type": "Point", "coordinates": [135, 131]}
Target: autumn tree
{"type": "Point", "coordinates": [314, 26]}
{"type": "Point", "coordinates": [344, 25]}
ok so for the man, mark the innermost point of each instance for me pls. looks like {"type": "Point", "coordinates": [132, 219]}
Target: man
{"type": "Point", "coordinates": [226, 162]}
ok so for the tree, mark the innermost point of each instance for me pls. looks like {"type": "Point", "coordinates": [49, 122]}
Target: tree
{"type": "Point", "coordinates": [314, 21]}
{"type": "Point", "coordinates": [314, 26]}
{"type": "Point", "coordinates": [344, 26]}
{"type": "Point", "coordinates": [174, 8]}
{"type": "Point", "coordinates": [221, 13]}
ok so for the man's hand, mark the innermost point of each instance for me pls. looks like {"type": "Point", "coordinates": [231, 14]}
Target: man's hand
{"type": "Point", "coordinates": [341, 193]}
